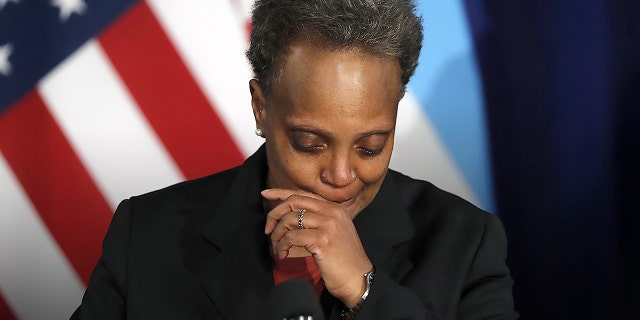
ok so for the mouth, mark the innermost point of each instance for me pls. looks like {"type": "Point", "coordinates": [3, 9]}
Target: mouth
{"type": "Point", "coordinates": [350, 205]}
{"type": "Point", "coordinates": [345, 202]}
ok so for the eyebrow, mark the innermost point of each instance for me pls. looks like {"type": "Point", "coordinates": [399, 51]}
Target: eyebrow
{"type": "Point", "coordinates": [326, 134]}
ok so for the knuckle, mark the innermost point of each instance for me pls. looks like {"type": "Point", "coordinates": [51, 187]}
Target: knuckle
{"type": "Point", "coordinates": [293, 197]}
{"type": "Point", "coordinates": [332, 224]}
{"type": "Point", "coordinates": [287, 237]}
{"type": "Point", "coordinates": [324, 240]}
{"type": "Point", "coordinates": [342, 214]}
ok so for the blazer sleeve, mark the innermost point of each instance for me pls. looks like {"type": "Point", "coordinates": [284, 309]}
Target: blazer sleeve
{"type": "Point", "coordinates": [391, 301]}
{"type": "Point", "coordinates": [486, 294]}
{"type": "Point", "coordinates": [105, 294]}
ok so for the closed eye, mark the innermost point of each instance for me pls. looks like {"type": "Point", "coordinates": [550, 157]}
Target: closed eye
{"type": "Point", "coordinates": [370, 152]}
{"type": "Point", "coordinates": [372, 145]}
{"type": "Point", "coordinates": [307, 142]}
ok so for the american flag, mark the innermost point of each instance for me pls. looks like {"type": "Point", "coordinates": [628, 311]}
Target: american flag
{"type": "Point", "coordinates": [104, 99]}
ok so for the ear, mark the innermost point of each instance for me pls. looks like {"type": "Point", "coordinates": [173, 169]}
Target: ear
{"type": "Point", "coordinates": [258, 102]}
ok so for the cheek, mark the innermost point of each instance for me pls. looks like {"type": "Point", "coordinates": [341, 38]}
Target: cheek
{"type": "Point", "coordinates": [372, 171]}
{"type": "Point", "coordinates": [292, 170]}
{"type": "Point", "coordinates": [302, 172]}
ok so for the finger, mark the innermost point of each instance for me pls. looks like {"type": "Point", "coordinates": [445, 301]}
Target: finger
{"type": "Point", "coordinates": [294, 203]}
{"type": "Point", "coordinates": [277, 213]}
{"type": "Point", "coordinates": [285, 224]}
{"type": "Point", "coordinates": [274, 216]}
{"type": "Point", "coordinates": [300, 238]}
{"type": "Point", "coordinates": [278, 194]}
{"type": "Point", "coordinates": [291, 222]}
{"type": "Point", "coordinates": [297, 202]}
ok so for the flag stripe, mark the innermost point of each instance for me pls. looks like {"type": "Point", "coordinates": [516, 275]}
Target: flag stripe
{"type": "Point", "coordinates": [211, 37]}
{"type": "Point", "coordinates": [244, 6]}
{"type": "Point", "coordinates": [5, 311]}
{"type": "Point", "coordinates": [447, 86]}
{"type": "Point", "coordinates": [167, 94]}
{"type": "Point", "coordinates": [34, 271]}
{"type": "Point", "coordinates": [110, 134]}
{"type": "Point", "coordinates": [60, 188]}
{"type": "Point", "coordinates": [435, 165]}
{"type": "Point", "coordinates": [36, 278]}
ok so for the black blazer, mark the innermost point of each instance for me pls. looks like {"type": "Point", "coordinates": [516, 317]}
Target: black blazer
{"type": "Point", "coordinates": [197, 250]}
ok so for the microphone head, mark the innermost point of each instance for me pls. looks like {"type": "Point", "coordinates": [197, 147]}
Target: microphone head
{"type": "Point", "coordinates": [294, 299]}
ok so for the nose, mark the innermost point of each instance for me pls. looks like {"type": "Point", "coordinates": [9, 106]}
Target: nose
{"type": "Point", "coordinates": [339, 172]}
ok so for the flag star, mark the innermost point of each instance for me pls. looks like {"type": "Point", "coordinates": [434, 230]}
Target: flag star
{"type": "Point", "coordinates": [5, 52]}
{"type": "Point", "coordinates": [67, 7]}
{"type": "Point", "coordinates": [4, 2]}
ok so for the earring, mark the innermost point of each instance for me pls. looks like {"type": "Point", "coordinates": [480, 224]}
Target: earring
{"type": "Point", "coordinates": [259, 132]}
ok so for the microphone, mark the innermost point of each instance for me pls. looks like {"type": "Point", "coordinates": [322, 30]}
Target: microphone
{"type": "Point", "coordinates": [294, 299]}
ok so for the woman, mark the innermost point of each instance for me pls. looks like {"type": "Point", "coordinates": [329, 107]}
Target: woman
{"type": "Point", "coordinates": [317, 200]}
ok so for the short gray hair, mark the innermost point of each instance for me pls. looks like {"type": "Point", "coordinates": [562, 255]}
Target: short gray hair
{"type": "Point", "coordinates": [386, 28]}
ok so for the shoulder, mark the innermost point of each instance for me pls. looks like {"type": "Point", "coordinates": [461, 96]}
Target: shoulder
{"type": "Point", "coordinates": [458, 253]}
{"type": "Point", "coordinates": [205, 188]}
{"type": "Point", "coordinates": [415, 192]}
{"type": "Point", "coordinates": [191, 200]}
{"type": "Point", "coordinates": [172, 216]}
{"type": "Point", "coordinates": [432, 207]}
{"type": "Point", "coordinates": [211, 188]}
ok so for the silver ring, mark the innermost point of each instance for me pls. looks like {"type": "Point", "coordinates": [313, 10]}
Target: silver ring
{"type": "Point", "coordinates": [300, 217]}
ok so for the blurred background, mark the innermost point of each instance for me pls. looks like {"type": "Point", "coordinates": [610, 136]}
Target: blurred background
{"type": "Point", "coordinates": [529, 109]}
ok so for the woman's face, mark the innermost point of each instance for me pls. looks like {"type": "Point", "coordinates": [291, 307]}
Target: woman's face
{"type": "Point", "coordinates": [329, 123]}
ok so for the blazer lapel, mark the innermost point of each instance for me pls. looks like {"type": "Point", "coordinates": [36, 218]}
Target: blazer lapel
{"type": "Point", "coordinates": [234, 264]}
{"type": "Point", "coordinates": [382, 226]}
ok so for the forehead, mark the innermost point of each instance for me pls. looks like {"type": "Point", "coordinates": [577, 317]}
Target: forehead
{"type": "Point", "coordinates": [342, 82]}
